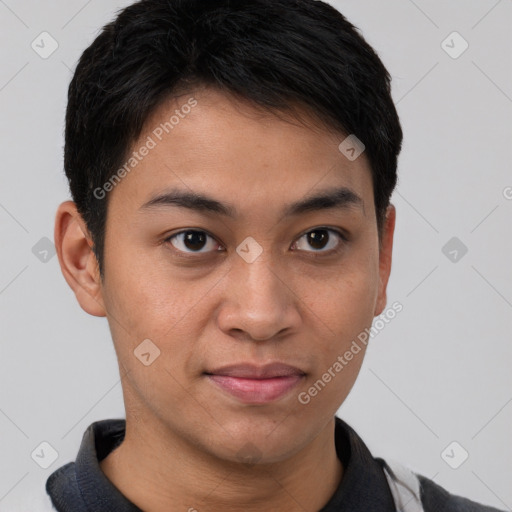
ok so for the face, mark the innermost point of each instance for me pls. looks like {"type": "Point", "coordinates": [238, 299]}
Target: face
{"type": "Point", "coordinates": [248, 298]}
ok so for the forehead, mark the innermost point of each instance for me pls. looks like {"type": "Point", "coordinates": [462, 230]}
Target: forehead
{"type": "Point", "coordinates": [211, 143]}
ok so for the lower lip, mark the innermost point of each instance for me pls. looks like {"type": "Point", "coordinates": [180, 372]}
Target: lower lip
{"type": "Point", "coordinates": [256, 391]}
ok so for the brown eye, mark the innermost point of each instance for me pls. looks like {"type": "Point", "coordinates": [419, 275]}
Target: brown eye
{"type": "Point", "coordinates": [320, 239]}
{"type": "Point", "coordinates": [192, 241]}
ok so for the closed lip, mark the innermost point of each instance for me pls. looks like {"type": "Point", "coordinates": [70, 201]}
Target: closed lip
{"type": "Point", "coordinates": [253, 371]}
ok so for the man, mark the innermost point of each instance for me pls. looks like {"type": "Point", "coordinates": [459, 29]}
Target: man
{"type": "Point", "coordinates": [231, 166]}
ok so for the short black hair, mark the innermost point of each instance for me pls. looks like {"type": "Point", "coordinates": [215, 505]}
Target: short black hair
{"type": "Point", "coordinates": [276, 54]}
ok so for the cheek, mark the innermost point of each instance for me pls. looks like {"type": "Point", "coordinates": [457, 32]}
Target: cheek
{"type": "Point", "coordinates": [341, 317]}
{"type": "Point", "coordinates": [343, 306]}
{"type": "Point", "coordinates": [147, 301]}
{"type": "Point", "coordinates": [147, 298]}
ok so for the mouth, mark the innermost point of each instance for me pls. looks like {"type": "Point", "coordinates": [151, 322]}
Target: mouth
{"type": "Point", "coordinates": [252, 384]}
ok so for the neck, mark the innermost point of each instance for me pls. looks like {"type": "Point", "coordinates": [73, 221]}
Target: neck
{"type": "Point", "coordinates": [158, 471]}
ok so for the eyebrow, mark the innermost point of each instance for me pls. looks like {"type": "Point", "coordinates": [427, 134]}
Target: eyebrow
{"type": "Point", "coordinates": [341, 198]}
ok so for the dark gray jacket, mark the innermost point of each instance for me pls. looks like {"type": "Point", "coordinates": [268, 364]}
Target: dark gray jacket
{"type": "Point", "coordinates": [368, 484]}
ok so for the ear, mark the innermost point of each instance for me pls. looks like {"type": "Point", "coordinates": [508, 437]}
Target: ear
{"type": "Point", "coordinates": [385, 255]}
{"type": "Point", "coordinates": [77, 259]}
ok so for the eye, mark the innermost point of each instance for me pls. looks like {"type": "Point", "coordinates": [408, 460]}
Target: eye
{"type": "Point", "coordinates": [192, 241]}
{"type": "Point", "coordinates": [321, 240]}
{"type": "Point", "coordinates": [196, 241]}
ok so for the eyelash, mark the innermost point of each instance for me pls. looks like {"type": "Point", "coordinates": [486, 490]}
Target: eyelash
{"type": "Point", "coordinates": [319, 253]}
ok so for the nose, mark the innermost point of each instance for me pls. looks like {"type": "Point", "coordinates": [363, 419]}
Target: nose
{"type": "Point", "coordinates": [259, 302]}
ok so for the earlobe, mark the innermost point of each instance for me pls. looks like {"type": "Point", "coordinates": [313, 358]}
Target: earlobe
{"type": "Point", "coordinates": [385, 258]}
{"type": "Point", "coordinates": [77, 260]}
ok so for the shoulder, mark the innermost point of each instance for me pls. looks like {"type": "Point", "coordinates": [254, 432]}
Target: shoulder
{"type": "Point", "coordinates": [412, 492]}
{"type": "Point", "coordinates": [436, 499]}
{"type": "Point", "coordinates": [63, 478]}
{"type": "Point", "coordinates": [62, 486]}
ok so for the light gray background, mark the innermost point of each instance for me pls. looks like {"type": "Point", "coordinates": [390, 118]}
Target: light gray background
{"type": "Point", "coordinates": [439, 372]}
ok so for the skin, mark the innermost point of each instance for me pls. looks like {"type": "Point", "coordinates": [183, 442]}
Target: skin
{"type": "Point", "coordinates": [295, 304]}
